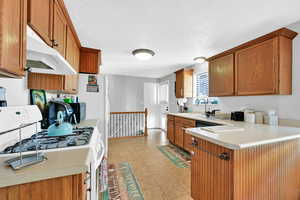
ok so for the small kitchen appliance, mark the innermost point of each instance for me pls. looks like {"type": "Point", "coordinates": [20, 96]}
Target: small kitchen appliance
{"type": "Point", "coordinates": [237, 116]}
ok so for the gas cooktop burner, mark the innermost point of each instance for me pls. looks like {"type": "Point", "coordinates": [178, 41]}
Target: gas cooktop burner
{"type": "Point", "coordinates": [41, 141]}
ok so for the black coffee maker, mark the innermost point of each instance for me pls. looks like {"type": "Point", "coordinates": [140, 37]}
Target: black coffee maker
{"type": "Point", "coordinates": [3, 102]}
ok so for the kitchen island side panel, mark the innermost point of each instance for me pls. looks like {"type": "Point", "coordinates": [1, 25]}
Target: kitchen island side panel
{"type": "Point", "coordinates": [267, 172]}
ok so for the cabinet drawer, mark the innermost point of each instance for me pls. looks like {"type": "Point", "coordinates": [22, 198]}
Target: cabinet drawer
{"type": "Point", "coordinates": [210, 147]}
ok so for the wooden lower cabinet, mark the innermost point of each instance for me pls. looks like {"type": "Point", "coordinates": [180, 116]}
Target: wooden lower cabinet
{"type": "Point", "coordinates": [187, 142]}
{"type": "Point", "coordinates": [179, 137]}
{"type": "Point", "coordinates": [175, 132]}
{"type": "Point", "coordinates": [170, 130]}
{"type": "Point", "coordinates": [265, 172]}
{"type": "Point", "coordinates": [62, 188]}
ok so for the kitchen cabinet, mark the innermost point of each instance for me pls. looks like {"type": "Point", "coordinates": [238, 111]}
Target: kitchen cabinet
{"type": "Point", "coordinates": [40, 18]}
{"type": "Point", "coordinates": [219, 173]}
{"type": "Point", "coordinates": [179, 137]}
{"type": "Point", "coordinates": [67, 188]}
{"type": "Point", "coordinates": [90, 60]}
{"type": "Point", "coordinates": [184, 83]}
{"type": "Point", "coordinates": [221, 76]}
{"type": "Point", "coordinates": [59, 29]}
{"type": "Point", "coordinates": [72, 50]}
{"type": "Point", "coordinates": [170, 129]}
{"type": "Point", "coordinates": [211, 176]}
{"type": "Point", "coordinates": [71, 84]}
{"type": "Point", "coordinates": [53, 82]}
{"type": "Point", "coordinates": [13, 20]}
{"type": "Point", "coordinates": [188, 142]}
{"type": "Point", "coordinates": [259, 71]}
{"type": "Point", "coordinates": [262, 66]}
{"type": "Point", "coordinates": [179, 134]}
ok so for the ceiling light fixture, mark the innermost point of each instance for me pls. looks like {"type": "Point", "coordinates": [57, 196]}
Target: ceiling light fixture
{"type": "Point", "coordinates": [143, 54]}
{"type": "Point", "coordinates": [200, 59]}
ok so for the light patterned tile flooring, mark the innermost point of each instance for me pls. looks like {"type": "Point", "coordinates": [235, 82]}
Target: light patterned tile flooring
{"type": "Point", "coordinates": [159, 178]}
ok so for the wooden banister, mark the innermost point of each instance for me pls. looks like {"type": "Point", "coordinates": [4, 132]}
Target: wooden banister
{"type": "Point", "coordinates": [122, 117]}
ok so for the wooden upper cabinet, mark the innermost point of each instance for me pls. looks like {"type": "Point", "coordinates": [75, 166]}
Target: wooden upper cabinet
{"type": "Point", "coordinates": [71, 84]}
{"type": "Point", "coordinates": [184, 83]}
{"type": "Point", "coordinates": [221, 76]}
{"type": "Point", "coordinates": [13, 20]}
{"type": "Point", "coordinates": [59, 29]}
{"type": "Point", "coordinates": [90, 60]}
{"type": "Point", "coordinates": [63, 83]}
{"type": "Point", "coordinates": [40, 18]}
{"type": "Point", "coordinates": [261, 67]}
{"type": "Point", "coordinates": [72, 51]}
{"type": "Point", "coordinates": [257, 69]}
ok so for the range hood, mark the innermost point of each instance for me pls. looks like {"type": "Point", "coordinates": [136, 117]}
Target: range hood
{"type": "Point", "coordinates": [43, 59]}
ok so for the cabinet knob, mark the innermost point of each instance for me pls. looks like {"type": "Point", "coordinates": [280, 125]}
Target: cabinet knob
{"type": "Point", "coordinates": [224, 156]}
{"type": "Point", "coordinates": [194, 142]}
{"type": "Point", "coordinates": [55, 44]}
{"type": "Point", "coordinates": [192, 153]}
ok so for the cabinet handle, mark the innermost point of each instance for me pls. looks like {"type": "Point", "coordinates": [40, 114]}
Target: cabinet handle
{"type": "Point", "coordinates": [223, 156]}
{"type": "Point", "coordinates": [55, 44]}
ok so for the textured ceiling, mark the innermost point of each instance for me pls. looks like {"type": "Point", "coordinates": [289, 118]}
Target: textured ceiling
{"type": "Point", "coordinates": [177, 30]}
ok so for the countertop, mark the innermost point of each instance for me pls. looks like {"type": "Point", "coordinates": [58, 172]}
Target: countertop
{"type": "Point", "coordinates": [253, 134]}
{"type": "Point", "coordinates": [59, 163]}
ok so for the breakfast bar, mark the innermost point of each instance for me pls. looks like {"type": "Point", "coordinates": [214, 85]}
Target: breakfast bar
{"type": "Point", "coordinates": [249, 162]}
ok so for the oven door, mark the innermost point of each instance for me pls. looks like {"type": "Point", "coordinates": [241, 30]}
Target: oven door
{"type": "Point", "coordinates": [97, 168]}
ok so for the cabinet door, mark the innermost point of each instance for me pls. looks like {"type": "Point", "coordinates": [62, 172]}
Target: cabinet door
{"type": "Point", "coordinates": [71, 84]}
{"type": "Point", "coordinates": [72, 51]}
{"type": "Point", "coordinates": [187, 142]}
{"type": "Point", "coordinates": [211, 176]}
{"type": "Point", "coordinates": [90, 60]}
{"type": "Point", "coordinates": [59, 29]}
{"type": "Point", "coordinates": [257, 69]}
{"type": "Point", "coordinates": [13, 36]}
{"type": "Point", "coordinates": [45, 81]}
{"type": "Point", "coordinates": [170, 131]}
{"type": "Point", "coordinates": [179, 84]}
{"type": "Point", "coordinates": [179, 137]}
{"type": "Point", "coordinates": [40, 16]}
{"type": "Point", "coordinates": [221, 76]}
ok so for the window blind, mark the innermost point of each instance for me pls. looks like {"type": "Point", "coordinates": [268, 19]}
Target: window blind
{"type": "Point", "coordinates": [202, 84]}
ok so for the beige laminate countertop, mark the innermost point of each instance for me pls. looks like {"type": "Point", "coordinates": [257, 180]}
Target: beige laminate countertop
{"type": "Point", "coordinates": [59, 163]}
{"type": "Point", "coordinates": [253, 134]}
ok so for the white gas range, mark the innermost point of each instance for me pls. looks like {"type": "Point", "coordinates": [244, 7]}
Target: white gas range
{"type": "Point", "coordinates": [31, 140]}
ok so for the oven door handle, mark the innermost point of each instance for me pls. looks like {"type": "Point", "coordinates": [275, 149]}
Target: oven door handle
{"type": "Point", "coordinates": [102, 153]}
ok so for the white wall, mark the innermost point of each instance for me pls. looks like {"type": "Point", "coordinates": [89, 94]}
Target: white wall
{"type": "Point", "coordinates": [95, 101]}
{"type": "Point", "coordinates": [126, 93]}
{"type": "Point", "coordinates": [17, 93]}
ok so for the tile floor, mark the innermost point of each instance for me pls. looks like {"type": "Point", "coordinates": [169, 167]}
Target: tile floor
{"type": "Point", "coordinates": [159, 178]}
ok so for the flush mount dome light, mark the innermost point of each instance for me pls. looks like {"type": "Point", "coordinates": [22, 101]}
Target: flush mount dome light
{"type": "Point", "coordinates": [200, 59]}
{"type": "Point", "coordinates": [143, 54]}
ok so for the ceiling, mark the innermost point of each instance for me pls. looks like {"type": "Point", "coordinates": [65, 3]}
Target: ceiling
{"type": "Point", "coordinates": [177, 30]}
